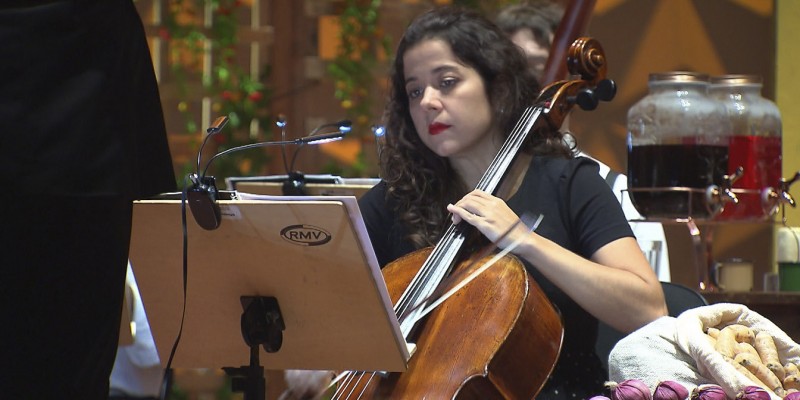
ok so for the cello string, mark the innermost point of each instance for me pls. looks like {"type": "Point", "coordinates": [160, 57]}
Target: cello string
{"type": "Point", "coordinates": [423, 278]}
{"type": "Point", "coordinates": [446, 258]}
{"type": "Point", "coordinates": [409, 312]}
{"type": "Point", "coordinates": [366, 385]}
{"type": "Point", "coordinates": [491, 178]}
{"type": "Point", "coordinates": [460, 281]}
{"type": "Point", "coordinates": [426, 281]}
{"type": "Point", "coordinates": [474, 274]}
{"type": "Point", "coordinates": [514, 141]}
{"type": "Point", "coordinates": [346, 377]}
{"type": "Point", "coordinates": [353, 385]}
{"type": "Point", "coordinates": [342, 375]}
{"type": "Point", "coordinates": [416, 285]}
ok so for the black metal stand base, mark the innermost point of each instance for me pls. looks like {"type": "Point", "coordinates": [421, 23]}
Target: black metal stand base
{"type": "Point", "coordinates": [262, 326]}
{"type": "Point", "coordinates": [249, 379]}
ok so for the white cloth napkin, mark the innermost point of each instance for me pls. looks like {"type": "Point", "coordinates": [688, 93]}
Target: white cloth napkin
{"type": "Point", "coordinates": [678, 349]}
{"type": "Point", "coordinates": [651, 354]}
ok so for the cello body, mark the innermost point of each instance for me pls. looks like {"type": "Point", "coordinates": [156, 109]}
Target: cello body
{"type": "Point", "coordinates": [498, 337]}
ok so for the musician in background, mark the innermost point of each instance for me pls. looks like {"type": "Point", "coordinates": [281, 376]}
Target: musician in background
{"type": "Point", "coordinates": [532, 25]}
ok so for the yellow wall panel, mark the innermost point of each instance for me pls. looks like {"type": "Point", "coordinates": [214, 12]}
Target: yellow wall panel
{"type": "Point", "coordinates": [788, 66]}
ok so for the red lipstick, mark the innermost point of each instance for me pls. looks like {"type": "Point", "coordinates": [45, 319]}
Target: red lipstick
{"type": "Point", "coordinates": [437, 128]}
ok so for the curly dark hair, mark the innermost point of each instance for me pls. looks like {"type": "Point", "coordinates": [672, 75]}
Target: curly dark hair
{"type": "Point", "coordinates": [420, 183]}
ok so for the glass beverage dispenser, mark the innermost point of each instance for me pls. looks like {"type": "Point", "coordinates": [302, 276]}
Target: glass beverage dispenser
{"type": "Point", "coordinates": [677, 147]}
{"type": "Point", "coordinates": [755, 143]}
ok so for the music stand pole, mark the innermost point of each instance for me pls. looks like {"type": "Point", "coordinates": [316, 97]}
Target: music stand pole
{"type": "Point", "coordinates": [248, 379]}
{"type": "Point", "coordinates": [262, 325]}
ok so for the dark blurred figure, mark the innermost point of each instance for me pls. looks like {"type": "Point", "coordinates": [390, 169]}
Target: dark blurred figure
{"type": "Point", "coordinates": [531, 26]}
{"type": "Point", "coordinates": [82, 136]}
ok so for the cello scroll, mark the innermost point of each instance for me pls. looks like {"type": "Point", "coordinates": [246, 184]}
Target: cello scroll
{"type": "Point", "coordinates": [586, 59]}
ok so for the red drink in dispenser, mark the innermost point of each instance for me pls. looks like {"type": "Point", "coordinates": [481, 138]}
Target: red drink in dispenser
{"type": "Point", "coordinates": [755, 143]}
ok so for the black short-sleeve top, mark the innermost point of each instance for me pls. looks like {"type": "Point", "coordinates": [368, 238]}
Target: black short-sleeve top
{"type": "Point", "coordinates": [580, 213]}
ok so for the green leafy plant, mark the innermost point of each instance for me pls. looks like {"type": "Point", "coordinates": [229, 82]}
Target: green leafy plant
{"type": "Point", "coordinates": [203, 58]}
{"type": "Point", "coordinates": [363, 48]}
{"type": "Point", "coordinates": [362, 54]}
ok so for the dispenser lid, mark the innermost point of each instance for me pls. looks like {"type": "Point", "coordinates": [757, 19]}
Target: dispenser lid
{"type": "Point", "coordinates": [679, 76]}
{"type": "Point", "coordinates": [736, 80]}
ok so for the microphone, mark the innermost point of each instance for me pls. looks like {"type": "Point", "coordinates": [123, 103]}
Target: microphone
{"type": "Point", "coordinates": [203, 194]}
{"type": "Point", "coordinates": [379, 131]}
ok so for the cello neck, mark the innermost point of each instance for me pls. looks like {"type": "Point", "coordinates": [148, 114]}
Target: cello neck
{"type": "Point", "coordinates": [502, 161]}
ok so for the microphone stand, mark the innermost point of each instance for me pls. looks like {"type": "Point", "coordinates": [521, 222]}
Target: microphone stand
{"type": "Point", "coordinates": [295, 184]}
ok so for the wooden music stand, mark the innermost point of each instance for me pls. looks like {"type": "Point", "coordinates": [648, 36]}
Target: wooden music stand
{"type": "Point", "coordinates": [312, 254]}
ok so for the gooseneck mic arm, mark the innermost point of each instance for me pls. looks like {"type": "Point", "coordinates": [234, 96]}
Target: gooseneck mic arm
{"type": "Point", "coordinates": [312, 138]}
{"type": "Point", "coordinates": [212, 130]}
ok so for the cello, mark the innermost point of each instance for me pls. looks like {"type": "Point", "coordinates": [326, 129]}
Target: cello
{"type": "Point", "coordinates": [498, 337]}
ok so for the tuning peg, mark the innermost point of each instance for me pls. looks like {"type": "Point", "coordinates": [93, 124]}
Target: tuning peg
{"type": "Point", "coordinates": [586, 99]}
{"type": "Point", "coordinates": [606, 90]}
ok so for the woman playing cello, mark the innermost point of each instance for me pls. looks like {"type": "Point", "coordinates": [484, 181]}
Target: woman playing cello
{"type": "Point", "coordinates": [458, 86]}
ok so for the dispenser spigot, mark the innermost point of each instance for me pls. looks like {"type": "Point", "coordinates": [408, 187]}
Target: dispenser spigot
{"type": "Point", "coordinates": [770, 200]}
{"type": "Point", "coordinates": [727, 184]}
{"type": "Point", "coordinates": [783, 190]}
{"type": "Point", "coordinates": [717, 196]}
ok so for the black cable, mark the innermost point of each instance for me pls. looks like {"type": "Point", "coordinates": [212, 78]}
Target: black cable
{"type": "Point", "coordinates": [167, 375]}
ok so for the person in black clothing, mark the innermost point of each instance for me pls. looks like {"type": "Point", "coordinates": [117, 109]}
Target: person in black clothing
{"type": "Point", "coordinates": [458, 86]}
{"type": "Point", "coordinates": [83, 135]}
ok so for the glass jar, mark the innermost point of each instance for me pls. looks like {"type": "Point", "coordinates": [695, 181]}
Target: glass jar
{"type": "Point", "coordinates": [755, 143]}
{"type": "Point", "coordinates": [677, 147]}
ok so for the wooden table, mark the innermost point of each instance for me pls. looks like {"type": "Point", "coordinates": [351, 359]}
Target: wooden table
{"type": "Point", "coordinates": [782, 308]}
